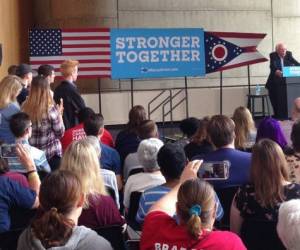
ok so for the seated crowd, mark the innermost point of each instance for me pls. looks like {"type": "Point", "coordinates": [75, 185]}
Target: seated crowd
{"type": "Point", "coordinates": [64, 181]}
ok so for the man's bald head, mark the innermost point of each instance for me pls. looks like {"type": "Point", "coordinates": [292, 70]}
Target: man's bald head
{"type": "Point", "coordinates": [280, 49]}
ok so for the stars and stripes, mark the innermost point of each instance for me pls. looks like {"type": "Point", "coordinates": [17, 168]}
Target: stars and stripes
{"type": "Point", "coordinates": [226, 50]}
{"type": "Point", "coordinates": [91, 47]}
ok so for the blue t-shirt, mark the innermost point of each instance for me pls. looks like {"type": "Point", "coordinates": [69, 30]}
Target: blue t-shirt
{"type": "Point", "coordinates": [150, 196]}
{"type": "Point", "coordinates": [239, 166]}
{"type": "Point", "coordinates": [110, 159]}
{"type": "Point", "coordinates": [5, 115]}
{"type": "Point", "coordinates": [13, 195]}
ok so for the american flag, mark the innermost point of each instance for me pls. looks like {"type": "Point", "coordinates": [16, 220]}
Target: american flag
{"type": "Point", "coordinates": [227, 50]}
{"type": "Point", "coordinates": [91, 47]}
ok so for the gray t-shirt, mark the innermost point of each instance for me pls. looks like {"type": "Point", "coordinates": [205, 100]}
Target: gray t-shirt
{"type": "Point", "coordinates": [82, 238]}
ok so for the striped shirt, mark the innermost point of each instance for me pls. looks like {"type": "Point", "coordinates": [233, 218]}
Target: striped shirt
{"type": "Point", "coordinates": [150, 196]}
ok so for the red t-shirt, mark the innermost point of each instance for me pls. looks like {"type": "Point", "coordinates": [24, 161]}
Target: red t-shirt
{"type": "Point", "coordinates": [161, 232]}
{"type": "Point", "coordinates": [76, 133]}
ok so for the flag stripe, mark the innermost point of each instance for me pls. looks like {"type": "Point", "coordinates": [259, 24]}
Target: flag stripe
{"type": "Point", "coordinates": [84, 35]}
{"type": "Point", "coordinates": [238, 35]}
{"type": "Point", "coordinates": [85, 38]}
{"type": "Point", "coordinates": [81, 66]}
{"type": "Point", "coordinates": [66, 50]}
{"type": "Point", "coordinates": [96, 57]}
{"type": "Point", "coordinates": [58, 62]}
{"type": "Point", "coordinates": [87, 30]}
{"type": "Point", "coordinates": [85, 42]}
{"type": "Point", "coordinates": [245, 57]}
{"type": "Point", "coordinates": [242, 42]}
{"type": "Point", "coordinates": [86, 53]}
{"type": "Point", "coordinates": [95, 45]}
{"type": "Point", "coordinates": [243, 64]}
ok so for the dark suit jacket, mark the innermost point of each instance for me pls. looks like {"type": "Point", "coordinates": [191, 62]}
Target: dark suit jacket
{"type": "Point", "coordinates": [73, 102]}
{"type": "Point", "coordinates": [275, 64]}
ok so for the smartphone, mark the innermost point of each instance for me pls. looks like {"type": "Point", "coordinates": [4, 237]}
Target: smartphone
{"type": "Point", "coordinates": [8, 151]}
{"type": "Point", "coordinates": [214, 170]}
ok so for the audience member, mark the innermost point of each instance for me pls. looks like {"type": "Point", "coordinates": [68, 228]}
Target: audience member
{"type": "Point", "coordinates": [221, 133]}
{"type": "Point", "coordinates": [109, 176]}
{"type": "Point", "coordinates": [14, 192]}
{"type": "Point", "coordinates": [10, 87]}
{"type": "Point", "coordinates": [46, 118]}
{"type": "Point", "coordinates": [24, 71]}
{"type": "Point", "coordinates": [109, 158]}
{"type": "Point", "coordinates": [151, 177]}
{"type": "Point", "coordinates": [287, 125]}
{"type": "Point", "coordinates": [76, 133]}
{"type": "Point", "coordinates": [146, 130]}
{"type": "Point", "coordinates": [188, 127]}
{"type": "Point", "coordinates": [48, 72]}
{"type": "Point", "coordinates": [270, 128]}
{"type": "Point", "coordinates": [12, 70]}
{"type": "Point", "coordinates": [293, 156]}
{"type": "Point", "coordinates": [199, 144]}
{"type": "Point", "coordinates": [245, 131]}
{"type": "Point", "coordinates": [100, 209]}
{"type": "Point", "coordinates": [127, 140]}
{"type": "Point", "coordinates": [20, 126]}
{"type": "Point", "coordinates": [67, 91]}
{"type": "Point", "coordinates": [171, 160]}
{"type": "Point", "coordinates": [56, 227]}
{"type": "Point", "coordinates": [269, 187]}
{"type": "Point", "coordinates": [194, 203]}
{"type": "Point", "coordinates": [288, 228]}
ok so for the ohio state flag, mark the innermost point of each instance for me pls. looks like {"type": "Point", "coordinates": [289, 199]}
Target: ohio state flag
{"type": "Point", "coordinates": [227, 50]}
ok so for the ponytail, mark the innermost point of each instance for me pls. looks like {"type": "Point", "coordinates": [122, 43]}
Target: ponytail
{"type": "Point", "coordinates": [195, 204]}
{"type": "Point", "coordinates": [53, 228]}
{"type": "Point", "coordinates": [194, 226]}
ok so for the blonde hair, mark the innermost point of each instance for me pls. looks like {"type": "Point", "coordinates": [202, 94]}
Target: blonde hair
{"type": "Point", "coordinates": [10, 87]}
{"type": "Point", "coordinates": [244, 124]}
{"type": "Point", "coordinates": [268, 171]}
{"type": "Point", "coordinates": [196, 192]}
{"type": "Point", "coordinates": [68, 67]}
{"type": "Point", "coordinates": [39, 101]}
{"type": "Point", "coordinates": [81, 158]}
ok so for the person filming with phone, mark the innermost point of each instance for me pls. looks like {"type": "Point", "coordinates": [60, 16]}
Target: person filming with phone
{"type": "Point", "coordinates": [221, 133]}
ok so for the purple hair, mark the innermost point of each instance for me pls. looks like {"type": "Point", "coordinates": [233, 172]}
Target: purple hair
{"type": "Point", "coordinates": [270, 128]}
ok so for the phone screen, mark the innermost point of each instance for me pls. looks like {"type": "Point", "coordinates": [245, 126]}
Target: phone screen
{"type": "Point", "coordinates": [214, 170]}
{"type": "Point", "coordinates": [8, 151]}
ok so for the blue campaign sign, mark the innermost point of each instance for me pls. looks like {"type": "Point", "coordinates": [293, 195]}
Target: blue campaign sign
{"type": "Point", "coordinates": [292, 71]}
{"type": "Point", "coordinates": [147, 53]}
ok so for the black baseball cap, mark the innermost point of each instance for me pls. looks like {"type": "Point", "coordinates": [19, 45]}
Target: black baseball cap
{"type": "Point", "coordinates": [23, 69]}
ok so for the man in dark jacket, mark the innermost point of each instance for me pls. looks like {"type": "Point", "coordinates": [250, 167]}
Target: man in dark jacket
{"type": "Point", "coordinates": [67, 91]}
{"type": "Point", "coordinates": [276, 84]}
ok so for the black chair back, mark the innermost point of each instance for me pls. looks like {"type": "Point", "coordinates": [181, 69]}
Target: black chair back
{"type": "Point", "coordinates": [226, 196]}
{"type": "Point", "coordinates": [9, 239]}
{"type": "Point", "coordinates": [260, 235]}
{"type": "Point", "coordinates": [111, 192]}
{"type": "Point", "coordinates": [114, 234]}
{"type": "Point", "coordinates": [132, 244]}
{"type": "Point", "coordinates": [132, 210]}
{"type": "Point", "coordinates": [135, 171]}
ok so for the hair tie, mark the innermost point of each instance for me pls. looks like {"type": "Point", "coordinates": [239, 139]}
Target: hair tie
{"type": "Point", "coordinates": [53, 209]}
{"type": "Point", "coordinates": [195, 210]}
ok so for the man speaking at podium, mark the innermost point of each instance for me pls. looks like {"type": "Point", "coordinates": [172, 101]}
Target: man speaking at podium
{"type": "Point", "coordinates": [276, 84]}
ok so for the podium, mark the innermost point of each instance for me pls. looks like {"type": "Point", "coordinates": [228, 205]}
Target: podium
{"type": "Point", "coordinates": [292, 79]}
